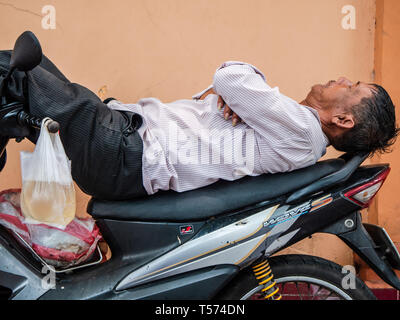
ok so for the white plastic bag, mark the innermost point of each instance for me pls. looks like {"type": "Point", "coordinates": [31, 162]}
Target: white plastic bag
{"type": "Point", "coordinates": [48, 194]}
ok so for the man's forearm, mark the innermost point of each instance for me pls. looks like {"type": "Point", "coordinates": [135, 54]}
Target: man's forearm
{"type": "Point", "coordinates": [205, 94]}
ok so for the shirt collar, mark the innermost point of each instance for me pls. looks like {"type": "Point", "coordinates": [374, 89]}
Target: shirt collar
{"type": "Point", "coordinates": [315, 113]}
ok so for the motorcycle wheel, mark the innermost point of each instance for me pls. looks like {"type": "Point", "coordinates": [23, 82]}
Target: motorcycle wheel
{"type": "Point", "coordinates": [300, 277]}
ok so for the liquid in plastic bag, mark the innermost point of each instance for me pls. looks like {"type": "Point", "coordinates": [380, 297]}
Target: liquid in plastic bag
{"type": "Point", "coordinates": [48, 202]}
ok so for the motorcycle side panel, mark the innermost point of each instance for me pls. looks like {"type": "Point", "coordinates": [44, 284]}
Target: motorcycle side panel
{"type": "Point", "coordinates": [201, 284]}
{"type": "Point", "coordinates": [230, 244]}
{"type": "Point", "coordinates": [292, 223]}
{"type": "Point", "coordinates": [241, 242]}
{"type": "Point", "coordinates": [132, 244]}
{"type": "Point", "coordinates": [20, 280]}
{"type": "Point", "coordinates": [287, 228]}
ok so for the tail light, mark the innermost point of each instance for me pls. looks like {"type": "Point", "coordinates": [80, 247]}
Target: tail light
{"type": "Point", "coordinates": [363, 195]}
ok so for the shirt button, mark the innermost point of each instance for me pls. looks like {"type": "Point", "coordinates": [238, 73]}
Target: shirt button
{"type": "Point", "coordinates": [128, 131]}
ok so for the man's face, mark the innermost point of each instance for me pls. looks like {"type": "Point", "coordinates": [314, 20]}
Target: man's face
{"type": "Point", "coordinates": [341, 94]}
{"type": "Point", "coordinates": [334, 102]}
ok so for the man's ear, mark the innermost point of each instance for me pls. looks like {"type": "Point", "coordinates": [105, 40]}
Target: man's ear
{"type": "Point", "coordinates": [344, 120]}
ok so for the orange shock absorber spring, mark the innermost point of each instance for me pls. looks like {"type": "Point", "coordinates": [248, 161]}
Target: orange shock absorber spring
{"type": "Point", "coordinates": [263, 273]}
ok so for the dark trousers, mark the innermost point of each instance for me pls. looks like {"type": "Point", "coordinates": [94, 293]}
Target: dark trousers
{"type": "Point", "coordinates": [103, 145]}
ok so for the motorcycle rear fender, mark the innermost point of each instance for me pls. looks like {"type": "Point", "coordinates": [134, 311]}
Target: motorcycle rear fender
{"type": "Point", "coordinates": [371, 243]}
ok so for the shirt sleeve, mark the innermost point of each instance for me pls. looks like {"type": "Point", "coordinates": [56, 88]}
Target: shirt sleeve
{"type": "Point", "coordinates": [278, 120]}
{"type": "Point", "coordinates": [261, 107]}
{"type": "Point", "coordinates": [197, 96]}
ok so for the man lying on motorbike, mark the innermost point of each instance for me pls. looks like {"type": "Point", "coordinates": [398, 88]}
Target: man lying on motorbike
{"type": "Point", "coordinates": [238, 126]}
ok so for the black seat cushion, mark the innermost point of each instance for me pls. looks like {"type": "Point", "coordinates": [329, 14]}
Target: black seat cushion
{"type": "Point", "coordinates": [218, 198]}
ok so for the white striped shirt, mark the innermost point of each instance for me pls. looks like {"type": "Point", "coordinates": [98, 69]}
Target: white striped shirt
{"type": "Point", "coordinates": [187, 144]}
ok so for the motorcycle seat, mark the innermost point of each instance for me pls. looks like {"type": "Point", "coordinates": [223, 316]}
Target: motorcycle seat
{"type": "Point", "coordinates": [216, 199]}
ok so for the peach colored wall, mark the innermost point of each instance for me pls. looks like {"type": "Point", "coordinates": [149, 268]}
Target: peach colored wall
{"type": "Point", "coordinates": [170, 49]}
{"type": "Point", "coordinates": [387, 72]}
{"type": "Point", "coordinates": [384, 209]}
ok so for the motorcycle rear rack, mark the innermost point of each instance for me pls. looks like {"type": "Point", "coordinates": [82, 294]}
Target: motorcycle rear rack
{"type": "Point", "coordinates": [51, 267]}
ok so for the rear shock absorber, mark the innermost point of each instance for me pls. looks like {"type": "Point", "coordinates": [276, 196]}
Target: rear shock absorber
{"type": "Point", "coordinates": [263, 273]}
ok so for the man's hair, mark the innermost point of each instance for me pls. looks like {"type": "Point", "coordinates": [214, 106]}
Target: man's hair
{"type": "Point", "coordinates": [375, 129]}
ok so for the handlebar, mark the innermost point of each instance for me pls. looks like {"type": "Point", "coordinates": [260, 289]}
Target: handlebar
{"type": "Point", "coordinates": [16, 117]}
{"type": "Point", "coordinates": [35, 122]}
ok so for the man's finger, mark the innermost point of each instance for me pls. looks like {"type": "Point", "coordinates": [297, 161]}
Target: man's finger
{"type": "Point", "coordinates": [227, 112]}
{"type": "Point", "coordinates": [220, 103]}
{"type": "Point", "coordinates": [235, 119]}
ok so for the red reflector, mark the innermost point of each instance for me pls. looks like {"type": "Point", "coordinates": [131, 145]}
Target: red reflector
{"type": "Point", "coordinates": [363, 195]}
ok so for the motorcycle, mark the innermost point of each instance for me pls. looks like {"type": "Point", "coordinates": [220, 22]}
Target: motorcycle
{"type": "Point", "coordinates": [216, 242]}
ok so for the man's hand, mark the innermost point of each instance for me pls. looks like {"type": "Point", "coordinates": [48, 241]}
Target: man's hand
{"type": "Point", "coordinates": [228, 112]}
{"type": "Point", "coordinates": [221, 104]}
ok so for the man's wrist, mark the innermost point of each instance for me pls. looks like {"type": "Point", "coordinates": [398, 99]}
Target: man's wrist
{"type": "Point", "coordinates": [205, 94]}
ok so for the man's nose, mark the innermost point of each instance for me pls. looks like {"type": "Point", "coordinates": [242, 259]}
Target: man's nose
{"type": "Point", "coordinates": [345, 81]}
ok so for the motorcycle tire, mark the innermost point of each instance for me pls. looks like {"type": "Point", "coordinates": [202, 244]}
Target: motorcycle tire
{"type": "Point", "coordinates": [300, 277]}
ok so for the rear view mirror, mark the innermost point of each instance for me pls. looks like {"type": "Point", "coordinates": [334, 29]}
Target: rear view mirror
{"type": "Point", "coordinates": [27, 53]}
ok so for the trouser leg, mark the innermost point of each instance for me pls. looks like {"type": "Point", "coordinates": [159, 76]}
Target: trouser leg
{"type": "Point", "coordinates": [106, 154]}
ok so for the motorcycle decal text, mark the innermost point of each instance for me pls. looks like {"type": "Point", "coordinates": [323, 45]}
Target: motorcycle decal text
{"type": "Point", "coordinates": [304, 208]}
{"type": "Point", "coordinates": [300, 210]}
